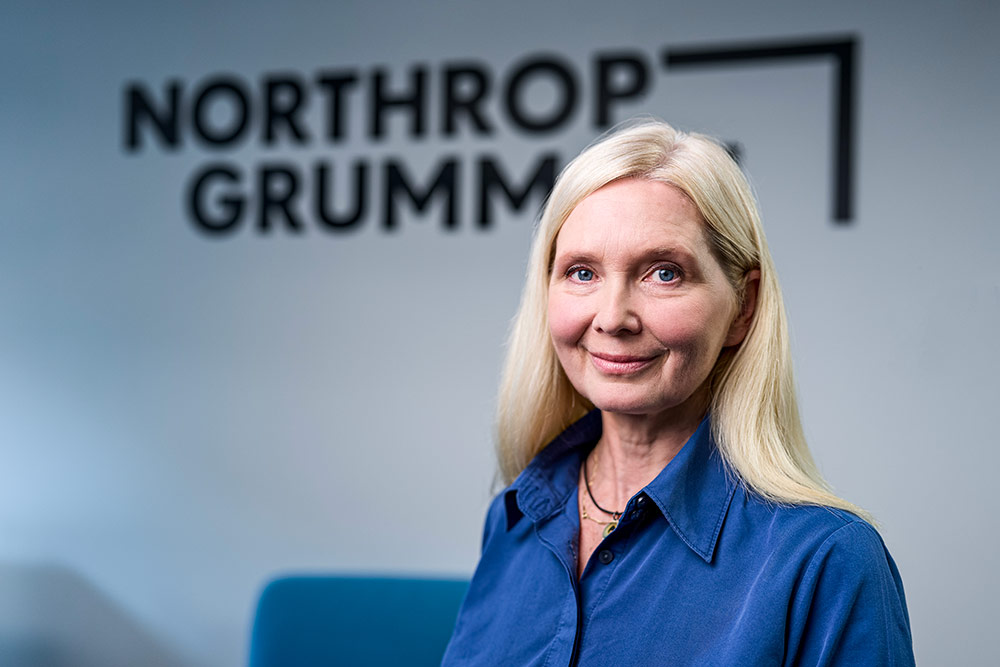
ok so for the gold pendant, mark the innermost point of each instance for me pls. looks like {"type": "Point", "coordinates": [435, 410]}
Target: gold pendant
{"type": "Point", "coordinates": [608, 529]}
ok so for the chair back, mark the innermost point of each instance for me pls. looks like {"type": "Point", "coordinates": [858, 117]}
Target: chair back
{"type": "Point", "coordinates": [364, 621]}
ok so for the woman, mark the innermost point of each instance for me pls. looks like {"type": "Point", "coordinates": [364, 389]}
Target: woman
{"type": "Point", "coordinates": [663, 507]}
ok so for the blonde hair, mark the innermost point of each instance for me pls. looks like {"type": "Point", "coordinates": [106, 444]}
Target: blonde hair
{"type": "Point", "coordinates": [755, 418]}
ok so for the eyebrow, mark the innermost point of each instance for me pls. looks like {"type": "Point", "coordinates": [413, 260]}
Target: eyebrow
{"type": "Point", "coordinates": [681, 253]}
{"type": "Point", "coordinates": [667, 251]}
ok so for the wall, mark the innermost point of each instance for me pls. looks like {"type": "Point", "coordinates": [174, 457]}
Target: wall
{"type": "Point", "coordinates": [187, 412]}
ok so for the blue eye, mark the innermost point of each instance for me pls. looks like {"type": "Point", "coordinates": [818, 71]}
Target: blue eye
{"type": "Point", "coordinates": [666, 275]}
{"type": "Point", "coordinates": [583, 275]}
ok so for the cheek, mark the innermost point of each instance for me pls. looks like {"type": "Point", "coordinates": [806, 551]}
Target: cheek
{"type": "Point", "coordinates": [694, 329]}
{"type": "Point", "coordinates": [567, 318]}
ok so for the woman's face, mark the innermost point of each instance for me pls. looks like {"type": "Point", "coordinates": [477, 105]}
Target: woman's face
{"type": "Point", "coordinates": [639, 308]}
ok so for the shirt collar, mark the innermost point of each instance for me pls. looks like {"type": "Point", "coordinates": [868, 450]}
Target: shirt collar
{"type": "Point", "coordinates": [693, 492]}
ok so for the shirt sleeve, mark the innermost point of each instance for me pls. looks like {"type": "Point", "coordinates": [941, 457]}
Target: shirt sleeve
{"type": "Point", "coordinates": [849, 608]}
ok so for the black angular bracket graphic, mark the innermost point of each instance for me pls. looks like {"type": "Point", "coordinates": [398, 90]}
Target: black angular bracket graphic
{"type": "Point", "coordinates": [843, 52]}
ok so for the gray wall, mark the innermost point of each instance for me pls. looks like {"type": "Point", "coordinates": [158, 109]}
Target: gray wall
{"type": "Point", "coordinates": [185, 415]}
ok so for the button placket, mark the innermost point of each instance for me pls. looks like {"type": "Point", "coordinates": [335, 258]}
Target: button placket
{"type": "Point", "coordinates": [637, 508]}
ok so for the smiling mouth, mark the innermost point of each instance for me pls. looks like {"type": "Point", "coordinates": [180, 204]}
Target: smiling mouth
{"type": "Point", "coordinates": [619, 364]}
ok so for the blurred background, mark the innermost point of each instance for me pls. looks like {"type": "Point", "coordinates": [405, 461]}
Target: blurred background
{"type": "Point", "coordinates": [258, 261]}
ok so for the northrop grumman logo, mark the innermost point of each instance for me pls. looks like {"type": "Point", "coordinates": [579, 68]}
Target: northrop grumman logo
{"type": "Point", "coordinates": [224, 112]}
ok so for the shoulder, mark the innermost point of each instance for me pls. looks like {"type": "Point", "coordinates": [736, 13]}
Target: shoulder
{"type": "Point", "coordinates": [496, 515]}
{"type": "Point", "coordinates": [814, 543]}
{"type": "Point", "coordinates": [841, 555]}
{"type": "Point", "coordinates": [846, 602]}
{"type": "Point", "coordinates": [805, 529]}
{"type": "Point", "coordinates": [502, 515]}
{"type": "Point", "coordinates": [851, 540]}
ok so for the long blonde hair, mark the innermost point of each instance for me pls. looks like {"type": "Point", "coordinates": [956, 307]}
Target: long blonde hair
{"type": "Point", "coordinates": [755, 417]}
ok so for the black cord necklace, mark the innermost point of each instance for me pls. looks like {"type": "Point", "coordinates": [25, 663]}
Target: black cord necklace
{"type": "Point", "coordinates": [586, 480]}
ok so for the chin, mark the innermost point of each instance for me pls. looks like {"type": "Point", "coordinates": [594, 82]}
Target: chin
{"type": "Point", "coordinates": [628, 404]}
{"type": "Point", "coordinates": [632, 400]}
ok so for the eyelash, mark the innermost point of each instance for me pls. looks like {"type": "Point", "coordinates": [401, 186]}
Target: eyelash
{"type": "Point", "coordinates": [577, 268]}
{"type": "Point", "coordinates": [668, 267]}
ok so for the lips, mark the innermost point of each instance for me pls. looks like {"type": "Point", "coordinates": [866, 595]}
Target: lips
{"type": "Point", "coordinates": [620, 364]}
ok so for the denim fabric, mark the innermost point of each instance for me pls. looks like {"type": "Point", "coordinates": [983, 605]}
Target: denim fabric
{"type": "Point", "coordinates": [700, 571]}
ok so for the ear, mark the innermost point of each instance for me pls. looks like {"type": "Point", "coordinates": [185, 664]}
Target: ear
{"type": "Point", "coordinates": [741, 325]}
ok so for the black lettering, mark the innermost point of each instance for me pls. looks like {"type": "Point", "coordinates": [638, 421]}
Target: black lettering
{"type": "Point", "coordinates": [414, 101]}
{"type": "Point", "coordinates": [229, 91]}
{"type": "Point", "coordinates": [465, 86]}
{"type": "Point", "coordinates": [566, 103]}
{"type": "Point", "coordinates": [283, 103]}
{"type": "Point", "coordinates": [842, 51]}
{"type": "Point", "coordinates": [491, 178]}
{"type": "Point", "coordinates": [335, 83]}
{"type": "Point", "coordinates": [735, 150]}
{"type": "Point", "coordinates": [229, 205]}
{"type": "Point", "coordinates": [609, 71]}
{"type": "Point", "coordinates": [446, 181]}
{"type": "Point", "coordinates": [140, 110]}
{"type": "Point", "coordinates": [278, 187]}
{"type": "Point", "coordinates": [330, 219]}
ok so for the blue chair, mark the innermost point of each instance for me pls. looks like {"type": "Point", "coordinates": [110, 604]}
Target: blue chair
{"type": "Point", "coordinates": [331, 620]}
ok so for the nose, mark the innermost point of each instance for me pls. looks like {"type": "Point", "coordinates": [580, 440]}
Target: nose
{"type": "Point", "coordinates": [616, 311]}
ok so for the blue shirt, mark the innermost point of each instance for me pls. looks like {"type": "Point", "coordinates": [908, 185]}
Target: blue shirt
{"type": "Point", "coordinates": [700, 571]}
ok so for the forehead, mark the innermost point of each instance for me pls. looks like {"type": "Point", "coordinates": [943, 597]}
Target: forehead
{"type": "Point", "coordinates": [633, 215]}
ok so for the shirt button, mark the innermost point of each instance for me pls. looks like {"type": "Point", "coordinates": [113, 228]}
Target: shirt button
{"type": "Point", "coordinates": [635, 514]}
{"type": "Point", "coordinates": [605, 556]}
{"type": "Point", "coordinates": [640, 501]}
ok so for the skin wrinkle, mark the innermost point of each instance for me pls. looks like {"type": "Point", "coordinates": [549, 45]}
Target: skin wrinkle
{"type": "Point", "coordinates": [639, 347]}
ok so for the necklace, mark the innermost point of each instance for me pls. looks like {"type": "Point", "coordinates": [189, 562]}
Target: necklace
{"type": "Point", "coordinates": [609, 526]}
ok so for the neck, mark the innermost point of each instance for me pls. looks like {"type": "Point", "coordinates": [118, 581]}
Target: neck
{"type": "Point", "coordinates": [633, 449]}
